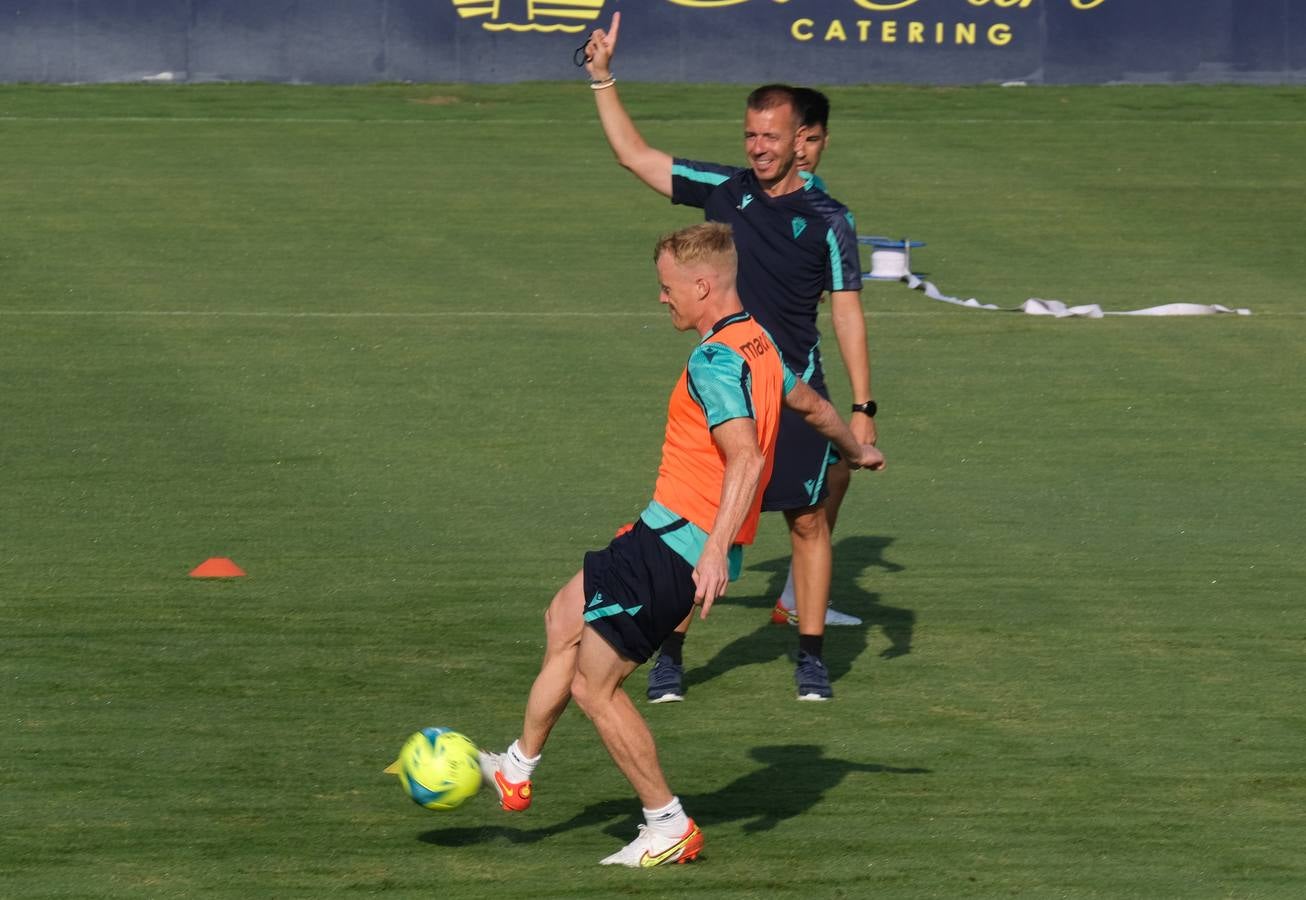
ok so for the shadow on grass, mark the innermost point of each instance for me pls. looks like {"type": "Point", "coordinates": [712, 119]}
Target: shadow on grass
{"type": "Point", "coordinates": [751, 799]}
{"type": "Point", "coordinates": [852, 557]}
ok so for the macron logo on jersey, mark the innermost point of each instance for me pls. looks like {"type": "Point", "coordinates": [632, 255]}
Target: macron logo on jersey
{"type": "Point", "coordinates": [743, 204]}
{"type": "Point", "coordinates": [800, 225]}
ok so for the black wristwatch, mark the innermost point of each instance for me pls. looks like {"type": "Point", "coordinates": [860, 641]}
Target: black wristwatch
{"type": "Point", "coordinates": [868, 407]}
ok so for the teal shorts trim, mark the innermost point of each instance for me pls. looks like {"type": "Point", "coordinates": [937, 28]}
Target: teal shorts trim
{"type": "Point", "coordinates": [637, 590]}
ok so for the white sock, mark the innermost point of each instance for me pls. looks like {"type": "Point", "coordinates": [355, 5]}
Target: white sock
{"type": "Point", "coordinates": [787, 595]}
{"type": "Point", "coordinates": [517, 766]}
{"type": "Point", "coordinates": [670, 821]}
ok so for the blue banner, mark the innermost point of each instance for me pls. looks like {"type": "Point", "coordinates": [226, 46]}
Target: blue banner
{"type": "Point", "coordinates": [734, 41]}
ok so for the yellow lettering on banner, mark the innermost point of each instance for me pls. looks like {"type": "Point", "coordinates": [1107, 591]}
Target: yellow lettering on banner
{"type": "Point", "coordinates": [1086, 4]}
{"type": "Point", "coordinates": [1000, 35]}
{"type": "Point", "coordinates": [1005, 4]}
{"type": "Point", "coordinates": [893, 31]}
{"type": "Point", "coordinates": [886, 7]}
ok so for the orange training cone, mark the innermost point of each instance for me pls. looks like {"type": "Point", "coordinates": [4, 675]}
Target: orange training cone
{"type": "Point", "coordinates": [217, 567]}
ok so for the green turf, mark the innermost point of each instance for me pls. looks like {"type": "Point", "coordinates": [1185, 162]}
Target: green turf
{"type": "Point", "coordinates": [397, 351]}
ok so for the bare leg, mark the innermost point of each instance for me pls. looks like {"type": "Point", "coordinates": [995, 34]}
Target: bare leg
{"type": "Point", "coordinates": [564, 621]}
{"type": "Point", "coordinates": [683, 627]}
{"type": "Point", "coordinates": [597, 688]}
{"type": "Point", "coordinates": [837, 479]}
{"type": "Point", "coordinates": [809, 534]}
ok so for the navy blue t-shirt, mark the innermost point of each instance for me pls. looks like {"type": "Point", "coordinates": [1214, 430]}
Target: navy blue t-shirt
{"type": "Point", "coordinates": [791, 248]}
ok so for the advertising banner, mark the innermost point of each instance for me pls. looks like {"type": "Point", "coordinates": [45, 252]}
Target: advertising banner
{"type": "Point", "coordinates": [733, 41]}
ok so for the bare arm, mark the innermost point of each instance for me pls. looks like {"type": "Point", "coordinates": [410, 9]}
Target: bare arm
{"type": "Point", "coordinates": [818, 413]}
{"type": "Point", "coordinates": [650, 165]}
{"type": "Point", "coordinates": [850, 331]}
{"type": "Point", "coordinates": [737, 440]}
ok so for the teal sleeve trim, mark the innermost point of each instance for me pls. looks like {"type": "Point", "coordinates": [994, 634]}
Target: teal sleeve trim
{"type": "Point", "coordinates": [719, 381]}
{"type": "Point", "coordinates": [790, 380]}
{"type": "Point", "coordinates": [836, 261]}
{"type": "Point", "coordinates": [688, 540]}
{"type": "Point", "coordinates": [690, 174]}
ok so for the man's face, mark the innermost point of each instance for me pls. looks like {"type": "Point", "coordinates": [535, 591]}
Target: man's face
{"type": "Point", "coordinates": [678, 291]}
{"type": "Point", "coordinates": [811, 144]}
{"type": "Point", "coordinates": [769, 139]}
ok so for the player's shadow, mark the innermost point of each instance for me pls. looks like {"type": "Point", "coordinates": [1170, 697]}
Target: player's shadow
{"type": "Point", "coordinates": [752, 799]}
{"type": "Point", "coordinates": [803, 769]}
{"type": "Point", "coordinates": [852, 556]}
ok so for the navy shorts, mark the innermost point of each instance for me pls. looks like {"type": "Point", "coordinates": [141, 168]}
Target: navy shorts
{"type": "Point", "coordinates": [801, 458]}
{"type": "Point", "coordinates": [637, 590]}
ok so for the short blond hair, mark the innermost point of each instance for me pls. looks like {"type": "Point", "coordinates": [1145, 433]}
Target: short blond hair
{"type": "Point", "coordinates": [712, 243]}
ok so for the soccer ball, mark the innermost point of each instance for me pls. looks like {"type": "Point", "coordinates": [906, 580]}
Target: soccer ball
{"type": "Point", "coordinates": [439, 768]}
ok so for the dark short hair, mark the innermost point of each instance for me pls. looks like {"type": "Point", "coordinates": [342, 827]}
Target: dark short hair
{"type": "Point", "coordinates": [769, 96]}
{"type": "Point", "coordinates": [813, 107]}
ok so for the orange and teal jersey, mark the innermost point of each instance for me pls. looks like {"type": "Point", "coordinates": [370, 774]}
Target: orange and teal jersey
{"type": "Point", "coordinates": [734, 372]}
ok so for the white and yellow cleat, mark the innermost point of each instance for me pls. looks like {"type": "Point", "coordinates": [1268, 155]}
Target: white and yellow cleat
{"type": "Point", "coordinates": [649, 850]}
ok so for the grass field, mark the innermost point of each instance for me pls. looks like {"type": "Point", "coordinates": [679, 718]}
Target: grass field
{"type": "Point", "coordinates": [397, 351]}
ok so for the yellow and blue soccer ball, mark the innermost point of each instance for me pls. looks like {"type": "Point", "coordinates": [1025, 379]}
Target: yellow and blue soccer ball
{"type": "Point", "coordinates": [439, 768]}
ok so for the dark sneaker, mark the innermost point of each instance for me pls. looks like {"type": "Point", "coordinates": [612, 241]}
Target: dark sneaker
{"type": "Point", "coordinates": [666, 681]}
{"type": "Point", "coordinates": [813, 679]}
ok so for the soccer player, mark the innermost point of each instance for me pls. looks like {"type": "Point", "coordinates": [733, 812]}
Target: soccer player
{"type": "Point", "coordinates": [814, 113]}
{"type": "Point", "coordinates": [722, 424]}
{"type": "Point", "coordinates": [794, 242]}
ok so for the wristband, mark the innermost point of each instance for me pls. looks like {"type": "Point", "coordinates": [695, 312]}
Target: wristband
{"type": "Point", "coordinates": [869, 408]}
